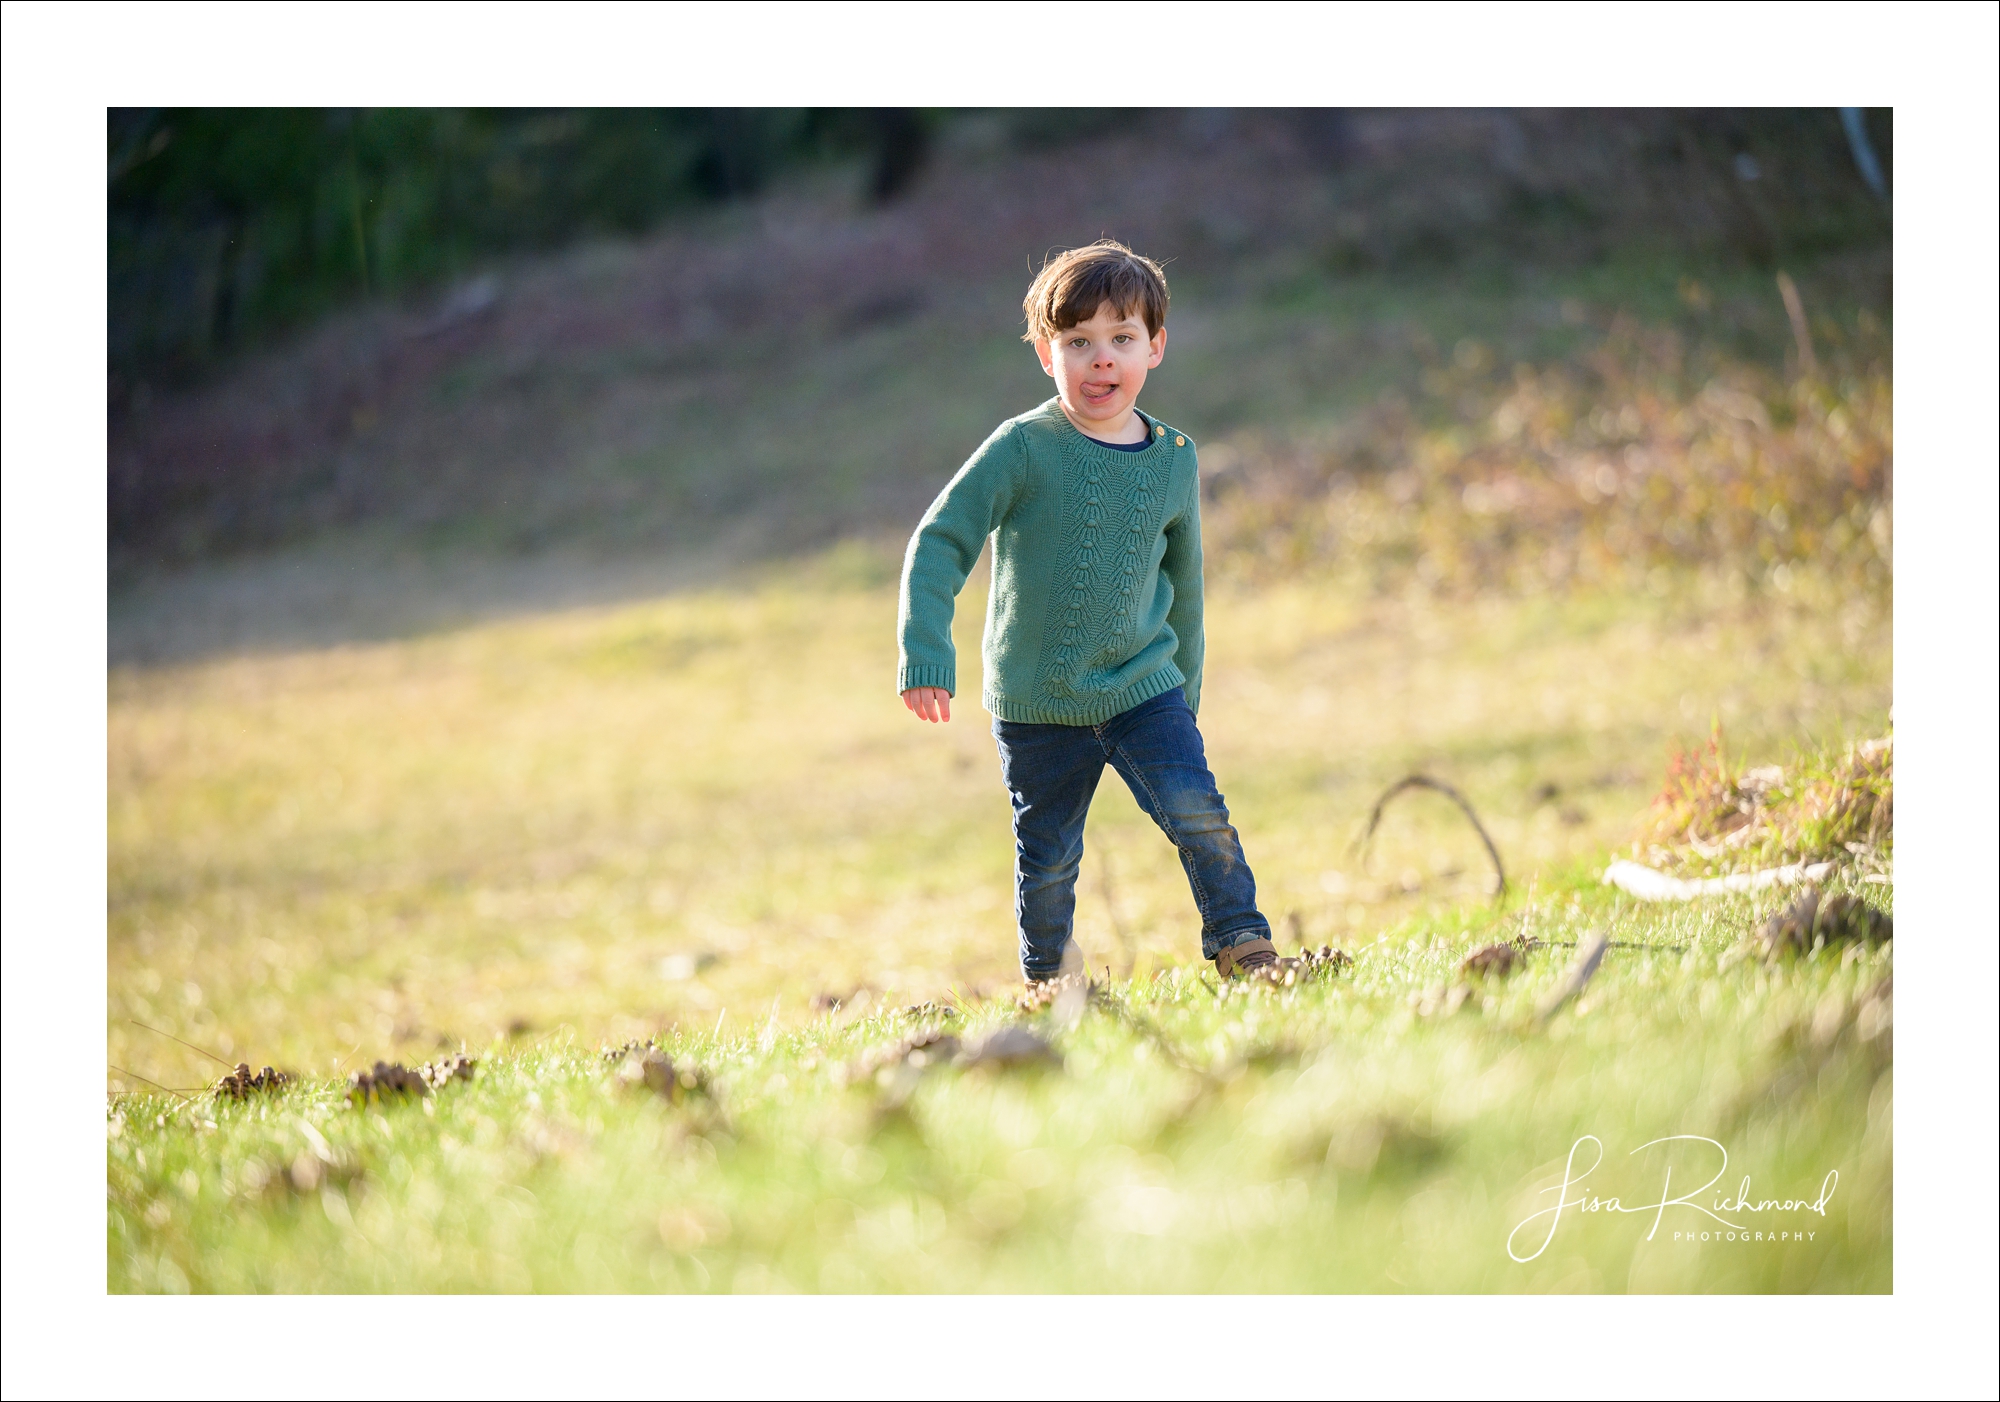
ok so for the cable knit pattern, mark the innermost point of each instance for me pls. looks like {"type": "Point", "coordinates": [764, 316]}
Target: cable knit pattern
{"type": "Point", "coordinates": [1112, 507]}
{"type": "Point", "coordinates": [1096, 602]}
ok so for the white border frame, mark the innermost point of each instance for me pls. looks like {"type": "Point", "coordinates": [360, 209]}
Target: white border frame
{"type": "Point", "coordinates": [1935, 64]}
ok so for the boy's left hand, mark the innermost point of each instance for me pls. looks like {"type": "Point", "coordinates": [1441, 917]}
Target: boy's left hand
{"type": "Point", "coordinates": [928, 701]}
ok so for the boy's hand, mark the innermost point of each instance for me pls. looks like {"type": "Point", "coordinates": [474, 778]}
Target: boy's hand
{"type": "Point", "coordinates": [932, 703]}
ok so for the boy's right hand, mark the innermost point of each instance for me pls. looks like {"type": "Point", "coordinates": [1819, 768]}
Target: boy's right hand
{"type": "Point", "coordinates": [932, 703]}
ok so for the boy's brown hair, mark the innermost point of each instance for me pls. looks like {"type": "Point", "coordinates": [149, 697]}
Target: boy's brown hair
{"type": "Point", "coordinates": [1073, 285]}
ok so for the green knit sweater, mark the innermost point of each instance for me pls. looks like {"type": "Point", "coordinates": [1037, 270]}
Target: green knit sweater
{"type": "Point", "coordinates": [1096, 598]}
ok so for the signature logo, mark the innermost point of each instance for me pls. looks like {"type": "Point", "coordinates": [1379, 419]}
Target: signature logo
{"type": "Point", "coordinates": [1732, 1213]}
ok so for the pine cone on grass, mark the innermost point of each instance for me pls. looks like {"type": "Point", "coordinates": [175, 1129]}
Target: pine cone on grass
{"type": "Point", "coordinates": [439, 1074]}
{"type": "Point", "coordinates": [646, 1066]}
{"type": "Point", "coordinates": [1813, 921]}
{"type": "Point", "coordinates": [241, 1085]}
{"type": "Point", "coordinates": [1044, 993]}
{"type": "Point", "coordinates": [1495, 961]}
{"type": "Point", "coordinates": [384, 1082]}
{"type": "Point", "coordinates": [1293, 969]}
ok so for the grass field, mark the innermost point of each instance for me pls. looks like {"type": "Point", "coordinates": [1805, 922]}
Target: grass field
{"type": "Point", "coordinates": [1326, 1139]}
{"type": "Point", "coordinates": [559, 715]}
{"type": "Point", "coordinates": [693, 816]}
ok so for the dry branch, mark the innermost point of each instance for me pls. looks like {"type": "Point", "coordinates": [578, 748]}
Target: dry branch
{"type": "Point", "coordinates": [1589, 954]}
{"type": "Point", "coordinates": [1650, 885]}
{"type": "Point", "coordinates": [1424, 781]}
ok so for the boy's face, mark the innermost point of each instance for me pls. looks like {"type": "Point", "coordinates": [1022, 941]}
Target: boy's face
{"type": "Point", "coordinates": [1100, 365]}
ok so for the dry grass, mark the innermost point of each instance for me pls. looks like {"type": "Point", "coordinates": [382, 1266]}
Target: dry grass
{"type": "Point", "coordinates": [758, 362]}
{"type": "Point", "coordinates": [624, 817]}
{"type": "Point", "coordinates": [1717, 816]}
{"type": "Point", "coordinates": [1653, 451]}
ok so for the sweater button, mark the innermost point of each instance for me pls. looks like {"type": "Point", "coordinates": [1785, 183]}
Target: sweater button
{"type": "Point", "coordinates": [1179, 442]}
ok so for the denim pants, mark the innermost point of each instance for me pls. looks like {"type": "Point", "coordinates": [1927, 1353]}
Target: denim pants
{"type": "Point", "coordinates": [1051, 772]}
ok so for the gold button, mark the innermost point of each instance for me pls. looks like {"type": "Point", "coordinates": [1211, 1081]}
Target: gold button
{"type": "Point", "coordinates": [1160, 429]}
{"type": "Point", "coordinates": [1179, 442]}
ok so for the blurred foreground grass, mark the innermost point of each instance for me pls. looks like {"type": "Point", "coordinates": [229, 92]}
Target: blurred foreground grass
{"type": "Point", "coordinates": [698, 814]}
{"type": "Point", "coordinates": [1332, 1137]}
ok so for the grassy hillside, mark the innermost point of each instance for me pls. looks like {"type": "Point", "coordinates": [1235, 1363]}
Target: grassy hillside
{"type": "Point", "coordinates": [406, 844]}
{"type": "Point", "coordinates": [535, 838]}
{"type": "Point", "coordinates": [510, 674]}
{"type": "Point", "coordinates": [807, 366]}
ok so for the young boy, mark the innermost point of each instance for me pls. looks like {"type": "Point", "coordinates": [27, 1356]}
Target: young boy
{"type": "Point", "coordinates": [1093, 644]}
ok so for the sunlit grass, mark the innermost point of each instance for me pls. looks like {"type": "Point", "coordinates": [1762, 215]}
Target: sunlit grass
{"type": "Point", "coordinates": [1529, 525]}
{"type": "Point", "coordinates": [408, 845]}
{"type": "Point", "coordinates": [692, 816]}
{"type": "Point", "coordinates": [1328, 1137]}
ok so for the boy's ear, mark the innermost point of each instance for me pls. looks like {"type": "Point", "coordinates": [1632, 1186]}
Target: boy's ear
{"type": "Point", "coordinates": [1159, 351]}
{"type": "Point", "coordinates": [1045, 355]}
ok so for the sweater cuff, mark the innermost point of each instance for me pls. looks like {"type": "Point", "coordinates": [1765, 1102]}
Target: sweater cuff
{"type": "Point", "coordinates": [916, 674]}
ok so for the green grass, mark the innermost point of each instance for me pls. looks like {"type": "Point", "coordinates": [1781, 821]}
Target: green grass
{"type": "Point", "coordinates": [1329, 1137]}
{"type": "Point", "coordinates": [702, 814]}
{"type": "Point", "coordinates": [523, 837]}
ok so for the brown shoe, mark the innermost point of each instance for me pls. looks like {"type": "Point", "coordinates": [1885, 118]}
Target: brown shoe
{"type": "Point", "coordinates": [1241, 960]}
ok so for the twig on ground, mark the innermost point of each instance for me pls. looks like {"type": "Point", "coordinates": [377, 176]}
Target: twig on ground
{"type": "Point", "coordinates": [1424, 781]}
{"type": "Point", "coordinates": [154, 1084]}
{"type": "Point", "coordinates": [1620, 944]}
{"type": "Point", "coordinates": [1650, 885]}
{"type": "Point", "coordinates": [1589, 954]}
{"type": "Point", "coordinates": [189, 1045]}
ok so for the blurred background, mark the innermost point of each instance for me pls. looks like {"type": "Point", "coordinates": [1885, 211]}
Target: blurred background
{"type": "Point", "coordinates": [506, 506]}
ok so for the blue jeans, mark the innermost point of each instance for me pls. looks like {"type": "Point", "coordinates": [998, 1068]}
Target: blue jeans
{"type": "Point", "coordinates": [1051, 772]}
